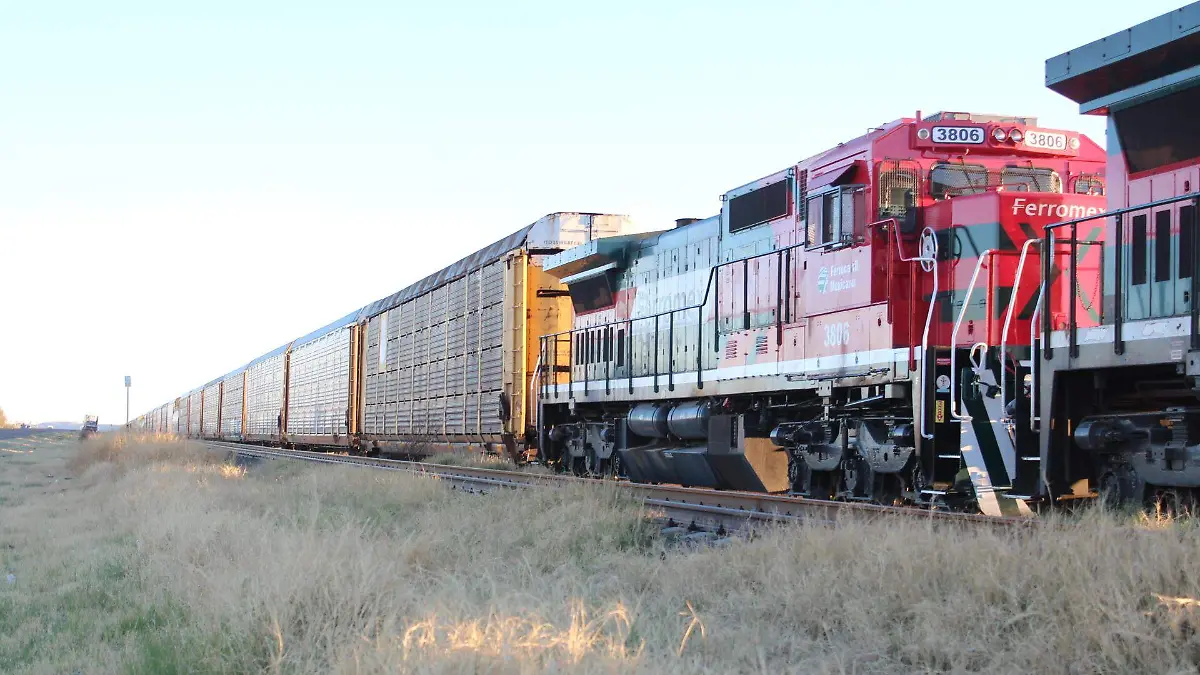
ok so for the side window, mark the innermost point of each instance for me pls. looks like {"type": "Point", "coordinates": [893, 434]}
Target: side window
{"type": "Point", "coordinates": [1162, 246]}
{"type": "Point", "coordinates": [835, 216]}
{"type": "Point", "coordinates": [813, 225]}
{"type": "Point", "coordinates": [1138, 251]}
{"type": "Point", "coordinates": [1187, 238]}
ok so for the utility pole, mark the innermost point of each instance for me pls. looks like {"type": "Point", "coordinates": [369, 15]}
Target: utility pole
{"type": "Point", "coordinates": [126, 403]}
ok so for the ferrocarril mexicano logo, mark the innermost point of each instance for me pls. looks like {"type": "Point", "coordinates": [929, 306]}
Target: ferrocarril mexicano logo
{"type": "Point", "coordinates": [838, 278]}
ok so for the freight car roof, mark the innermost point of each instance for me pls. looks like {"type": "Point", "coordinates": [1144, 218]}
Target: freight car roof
{"type": "Point", "coordinates": [347, 320]}
{"type": "Point", "coordinates": [1092, 74]}
{"type": "Point", "coordinates": [447, 274]}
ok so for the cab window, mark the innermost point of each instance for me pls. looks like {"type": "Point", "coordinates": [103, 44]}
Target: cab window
{"type": "Point", "coordinates": [948, 180]}
{"type": "Point", "coordinates": [1028, 179]}
{"type": "Point", "coordinates": [835, 216]}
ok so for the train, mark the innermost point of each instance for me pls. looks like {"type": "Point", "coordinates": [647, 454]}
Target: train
{"type": "Point", "coordinates": [439, 366]}
{"type": "Point", "coordinates": [957, 310]}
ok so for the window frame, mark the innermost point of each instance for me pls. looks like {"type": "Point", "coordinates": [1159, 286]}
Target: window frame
{"type": "Point", "coordinates": [841, 237]}
{"type": "Point", "coordinates": [965, 169]}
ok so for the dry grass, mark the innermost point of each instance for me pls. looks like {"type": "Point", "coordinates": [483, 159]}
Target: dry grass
{"type": "Point", "coordinates": [161, 559]}
{"type": "Point", "coordinates": [474, 459]}
{"type": "Point", "coordinates": [479, 460]}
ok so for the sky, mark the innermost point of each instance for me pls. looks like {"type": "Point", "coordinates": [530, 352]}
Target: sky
{"type": "Point", "coordinates": [186, 186]}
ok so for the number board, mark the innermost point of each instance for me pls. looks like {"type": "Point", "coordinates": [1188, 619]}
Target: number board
{"type": "Point", "coordinates": [958, 135]}
{"type": "Point", "coordinates": [1044, 140]}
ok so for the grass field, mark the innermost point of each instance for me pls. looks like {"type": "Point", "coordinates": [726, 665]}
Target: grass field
{"type": "Point", "coordinates": [155, 557]}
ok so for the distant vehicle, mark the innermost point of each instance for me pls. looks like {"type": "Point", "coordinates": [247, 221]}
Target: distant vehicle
{"type": "Point", "coordinates": [91, 425]}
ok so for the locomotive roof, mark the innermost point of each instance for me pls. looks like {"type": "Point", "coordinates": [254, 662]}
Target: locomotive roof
{"type": "Point", "coordinates": [1145, 57]}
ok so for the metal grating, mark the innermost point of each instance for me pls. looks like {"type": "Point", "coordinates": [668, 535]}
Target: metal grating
{"type": "Point", "coordinates": [231, 405]}
{"type": "Point", "coordinates": [319, 386]}
{"type": "Point", "coordinates": [264, 396]}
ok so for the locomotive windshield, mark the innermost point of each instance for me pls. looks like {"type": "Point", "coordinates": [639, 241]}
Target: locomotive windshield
{"type": "Point", "coordinates": [1025, 179]}
{"type": "Point", "coordinates": [953, 179]}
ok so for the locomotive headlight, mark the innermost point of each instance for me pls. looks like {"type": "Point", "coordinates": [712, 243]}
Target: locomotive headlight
{"type": "Point", "coordinates": [1074, 143]}
{"type": "Point", "coordinates": [1016, 135]}
{"type": "Point", "coordinates": [999, 135]}
{"type": "Point", "coordinates": [923, 134]}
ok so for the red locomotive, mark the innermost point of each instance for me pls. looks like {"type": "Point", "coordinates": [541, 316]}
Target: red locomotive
{"type": "Point", "coordinates": [813, 336]}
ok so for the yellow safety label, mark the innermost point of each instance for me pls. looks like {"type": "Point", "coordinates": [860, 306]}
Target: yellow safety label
{"type": "Point", "coordinates": [940, 413]}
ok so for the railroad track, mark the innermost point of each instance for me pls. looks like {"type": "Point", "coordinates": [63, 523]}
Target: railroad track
{"type": "Point", "coordinates": [692, 508]}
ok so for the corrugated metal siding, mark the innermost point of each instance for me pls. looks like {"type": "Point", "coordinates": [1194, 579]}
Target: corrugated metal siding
{"type": "Point", "coordinates": [210, 424]}
{"type": "Point", "coordinates": [195, 410]}
{"type": "Point", "coordinates": [471, 263]}
{"type": "Point", "coordinates": [231, 405]}
{"type": "Point", "coordinates": [433, 364]}
{"type": "Point", "coordinates": [264, 396]}
{"type": "Point", "coordinates": [179, 414]}
{"type": "Point", "coordinates": [319, 386]}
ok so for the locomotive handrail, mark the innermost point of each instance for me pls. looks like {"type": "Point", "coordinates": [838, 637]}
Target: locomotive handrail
{"type": "Point", "coordinates": [535, 406]}
{"type": "Point", "coordinates": [954, 410]}
{"type": "Point", "coordinates": [1034, 416]}
{"type": "Point", "coordinates": [1073, 346]}
{"type": "Point", "coordinates": [1012, 304]}
{"type": "Point", "coordinates": [929, 264]}
{"type": "Point", "coordinates": [1123, 210]}
{"type": "Point", "coordinates": [927, 260]}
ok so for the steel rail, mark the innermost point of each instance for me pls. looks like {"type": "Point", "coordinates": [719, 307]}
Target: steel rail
{"type": "Point", "coordinates": [700, 508]}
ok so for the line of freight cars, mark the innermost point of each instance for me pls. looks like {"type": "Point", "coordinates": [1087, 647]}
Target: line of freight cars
{"type": "Point", "coordinates": [440, 365]}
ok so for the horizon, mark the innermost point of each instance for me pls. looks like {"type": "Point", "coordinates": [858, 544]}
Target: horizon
{"type": "Point", "coordinates": [192, 176]}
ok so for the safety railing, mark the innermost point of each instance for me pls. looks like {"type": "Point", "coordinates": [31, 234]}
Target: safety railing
{"type": "Point", "coordinates": [551, 345]}
{"type": "Point", "coordinates": [954, 409]}
{"type": "Point", "coordinates": [1119, 309]}
{"type": "Point", "coordinates": [1012, 305]}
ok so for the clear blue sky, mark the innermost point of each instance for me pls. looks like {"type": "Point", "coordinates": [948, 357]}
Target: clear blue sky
{"type": "Point", "coordinates": [289, 162]}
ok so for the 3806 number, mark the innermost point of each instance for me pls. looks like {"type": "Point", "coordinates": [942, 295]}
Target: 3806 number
{"type": "Point", "coordinates": [960, 135]}
{"type": "Point", "coordinates": [837, 334]}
